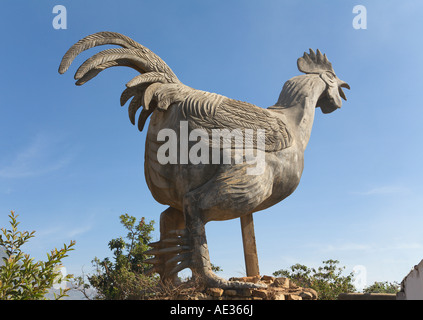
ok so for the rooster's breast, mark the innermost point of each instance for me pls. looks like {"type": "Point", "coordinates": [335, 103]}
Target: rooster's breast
{"type": "Point", "coordinates": [287, 167]}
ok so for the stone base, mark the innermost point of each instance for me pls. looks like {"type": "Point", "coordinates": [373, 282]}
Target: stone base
{"type": "Point", "coordinates": [277, 289]}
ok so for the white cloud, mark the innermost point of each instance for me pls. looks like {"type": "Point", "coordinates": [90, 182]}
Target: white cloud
{"type": "Point", "coordinates": [403, 246]}
{"type": "Point", "coordinates": [369, 247]}
{"type": "Point", "coordinates": [49, 231]}
{"type": "Point", "coordinates": [62, 231]}
{"type": "Point", "coordinates": [384, 190]}
{"type": "Point", "coordinates": [79, 230]}
{"type": "Point", "coordinates": [346, 247]}
{"type": "Point", "coordinates": [41, 156]}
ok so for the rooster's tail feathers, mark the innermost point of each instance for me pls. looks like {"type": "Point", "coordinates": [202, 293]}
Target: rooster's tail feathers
{"type": "Point", "coordinates": [154, 71]}
{"type": "Point", "coordinates": [132, 54]}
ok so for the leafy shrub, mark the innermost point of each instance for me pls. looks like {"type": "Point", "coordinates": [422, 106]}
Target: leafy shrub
{"type": "Point", "coordinates": [123, 277]}
{"type": "Point", "coordinates": [20, 277]}
{"type": "Point", "coordinates": [383, 287]}
{"type": "Point", "coordinates": [327, 280]}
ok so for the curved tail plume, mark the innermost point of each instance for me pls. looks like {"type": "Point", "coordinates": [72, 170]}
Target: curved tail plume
{"type": "Point", "coordinates": [132, 54]}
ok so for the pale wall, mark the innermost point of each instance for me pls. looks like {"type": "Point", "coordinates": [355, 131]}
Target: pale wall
{"type": "Point", "coordinates": [412, 285]}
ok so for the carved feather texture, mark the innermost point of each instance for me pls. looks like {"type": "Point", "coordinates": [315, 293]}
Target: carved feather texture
{"type": "Point", "coordinates": [137, 92]}
{"type": "Point", "coordinates": [149, 77]}
{"type": "Point", "coordinates": [149, 93]}
{"type": "Point", "coordinates": [210, 111]}
{"type": "Point", "coordinates": [109, 55]}
{"type": "Point", "coordinates": [95, 71]}
{"type": "Point", "coordinates": [141, 53]}
{"type": "Point", "coordinates": [91, 41]}
{"type": "Point", "coordinates": [134, 105]}
{"type": "Point", "coordinates": [142, 89]}
{"type": "Point", "coordinates": [158, 87]}
{"type": "Point", "coordinates": [127, 94]}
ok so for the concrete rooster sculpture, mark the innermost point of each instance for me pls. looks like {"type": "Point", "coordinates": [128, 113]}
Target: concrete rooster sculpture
{"type": "Point", "coordinates": [199, 191]}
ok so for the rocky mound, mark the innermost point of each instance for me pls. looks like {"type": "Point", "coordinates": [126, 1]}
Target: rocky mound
{"type": "Point", "coordinates": [277, 289]}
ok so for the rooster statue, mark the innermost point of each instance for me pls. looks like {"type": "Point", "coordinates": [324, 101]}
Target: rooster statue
{"type": "Point", "coordinates": [197, 193]}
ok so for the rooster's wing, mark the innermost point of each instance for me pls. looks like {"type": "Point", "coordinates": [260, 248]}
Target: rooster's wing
{"type": "Point", "coordinates": [210, 111]}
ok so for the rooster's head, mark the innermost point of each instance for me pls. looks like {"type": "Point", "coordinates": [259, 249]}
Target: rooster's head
{"type": "Point", "coordinates": [318, 64]}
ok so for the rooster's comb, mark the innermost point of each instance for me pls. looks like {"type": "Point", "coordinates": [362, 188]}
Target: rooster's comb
{"type": "Point", "coordinates": [314, 62]}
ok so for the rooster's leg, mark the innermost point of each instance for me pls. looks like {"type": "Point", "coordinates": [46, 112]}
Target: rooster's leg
{"type": "Point", "coordinates": [170, 220]}
{"type": "Point", "coordinates": [171, 227]}
{"type": "Point", "coordinates": [180, 248]}
{"type": "Point", "coordinates": [200, 260]}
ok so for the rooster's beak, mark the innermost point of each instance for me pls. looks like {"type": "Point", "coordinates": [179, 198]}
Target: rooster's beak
{"type": "Point", "coordinates": [342, 84]}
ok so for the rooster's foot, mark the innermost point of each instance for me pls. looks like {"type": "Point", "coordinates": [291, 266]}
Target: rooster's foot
{"type": "Point", "coordinates": [171, 255]}
{"type": "Point", "coordinates": [177, 252]}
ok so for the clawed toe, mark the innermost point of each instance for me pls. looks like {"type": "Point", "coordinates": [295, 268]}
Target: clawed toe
{"type": "Point", "coordinates": [178, 251]}
{"type": "Point", "coordinates": [171, 255]}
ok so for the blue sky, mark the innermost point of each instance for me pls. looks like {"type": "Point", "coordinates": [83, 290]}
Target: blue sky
{"type": "Point", "coordinates": [71, 162]}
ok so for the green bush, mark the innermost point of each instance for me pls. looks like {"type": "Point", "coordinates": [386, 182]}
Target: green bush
{"type": "Point", "coordinates": [123, 277]}
{"type": "Point", "coordinates": [126, 276]}
{"type": "Point", "coordinates": [328, 280]}
{"type": "Point", "coordinates": [20, 277]}
{"type": "Point", "coordinates": [383, 287]}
